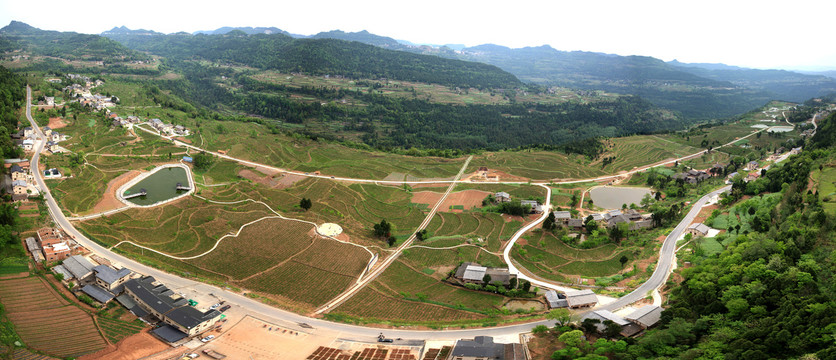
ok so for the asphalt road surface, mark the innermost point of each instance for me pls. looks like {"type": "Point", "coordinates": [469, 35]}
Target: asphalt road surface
{"type": "Point", "coordinates": [322, 326]}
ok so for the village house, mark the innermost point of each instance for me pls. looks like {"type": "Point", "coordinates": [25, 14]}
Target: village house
{"type": "Point", "coordinates": [692, 176]}
{"type": "Point", "coordinates": [47, 130]}
{"type": "Point", "coordinates": [473, 273]}
{"type": "Point", "coordinates": [18, 173]}
{"type": "Point", "coordinates": [49, 100]}
{"type": "Point", "coordinates": [697, 229]}
{"type": "Point", "coordinates": [28, 132]}
{"type": "Point", "coordinates": [79, 267]}
{"type": "Point", "coordinates": [483, 348]}
{"type": "Point", "coordinates": [555, 300]}
{"type": "Point", "coordinates": [56, 137]}
{"type": "Point", "coordinates": [57, 251]}
{"type": "Point", "coordinates": [53, 147]}
{"type": "Point", "coordinates": [27, 144]}
{"type": "Point", "coordinates": [562, 217]}
{"type": "Point", "coordinates": [34, 249]}
{"type": "Point", "coordinates": [20, 187]}
{"type": "Point", "coordinates": [646, 316]}
{"type": "Point", "coordinates": [534, 205]}
{"type": "Point", "coordinates": [752, 165]}
{"type": "Point", "coordinates": [627, 328]}
{"type": "Point", "coordinates": [111, 279]}
{"type": "Point", "coordinates": [502, 197]}
{"type": "Point", "coordinates": [171, 309]}
{"type": "Point", "coordinates": [581, 298]}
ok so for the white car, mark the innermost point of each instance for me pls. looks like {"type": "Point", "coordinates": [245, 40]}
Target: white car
{"type": "Point", "coordinates": [192, 356]}
{"type": "Point", "coordinates": [208, 338]}
{"type": "Point", "coordinates": [213, 307]}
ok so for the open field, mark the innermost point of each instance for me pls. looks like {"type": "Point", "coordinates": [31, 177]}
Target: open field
{"type": "Point", "coordinates": [262, 244]}
{"type": "Point", "coordinates": [826, 187]}
{"type": "Point", "coordinates": [372, 305]}
{"type": "Point", "coordinates": [488, 229]}
{"type": "Point", "coordinates": [186, 227]}
{"type": "Point", "coordinates": [400, 280]}
{"type": "Point", "coordinates": [46, 322]}
{"type": "Point", "coordinates": [549, 257]}
{"type": "Point", "coordinates": [407, 89]}
{"type": "Point", "coordinates": [455, 202]}
{"type": "Point", "coordinates": [636, 151]}
{"type": "Point", "coordinates": [116, 330]}
{"type": "Point", "coordinates": [446, 258]}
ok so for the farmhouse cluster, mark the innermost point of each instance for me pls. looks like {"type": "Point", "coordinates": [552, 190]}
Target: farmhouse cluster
{"type": "Point", "coordinates": [98, 283]}
{"type": "Point", "coordinates": [82, 93]}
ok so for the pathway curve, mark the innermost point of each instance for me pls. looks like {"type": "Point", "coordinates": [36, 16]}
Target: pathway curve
{"type": "Point", "coordinates": [269, 312]}
{"type": "Point", "coordinates": [361, 283]}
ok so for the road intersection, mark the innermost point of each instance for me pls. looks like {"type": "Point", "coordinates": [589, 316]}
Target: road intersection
{"type": "Point", "coordinates": [292, 320]}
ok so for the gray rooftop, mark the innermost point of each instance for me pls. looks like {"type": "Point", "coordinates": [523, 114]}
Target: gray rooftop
{"type": "Point", "coordinates": [555, 301]}
{"type": "Point", "coordinates": [562, 215]}
{"type": "Point", "coordinates": [96, 292]}
{"type": "Point", "coordinates": [158, 298]}
{"type": "Point", "coordinates": [59, 269]}
{"type": "Point", "coordinates": [581, 297]}
{"type": "Point", "coordinates": [479, 347]}
{"type": "Point", "coordinates": [79, 266]}
{"type": "Point", "coordinates": [32, 244]}
{"type": "Point", "coordinates": [109, 275]}
{"type": "Point", "coordinates": [474, 272]}
{"type": "Point", "coordinates": [699, 227]}
{"type": "Point", "coordinates": [646, 316]}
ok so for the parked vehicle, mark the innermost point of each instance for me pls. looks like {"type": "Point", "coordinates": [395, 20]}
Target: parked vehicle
{"type": "Point", "coordinates": [213, 307]}
{"type": "Point", "coordinates": [225, 308]}
{"type": "Point", "coordinates": [208, 338]}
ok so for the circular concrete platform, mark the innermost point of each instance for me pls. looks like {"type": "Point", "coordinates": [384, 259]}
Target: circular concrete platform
{"type": "Point", "coordinates": [329, 229]}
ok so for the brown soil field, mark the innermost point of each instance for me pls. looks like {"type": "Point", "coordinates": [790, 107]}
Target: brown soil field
{"type": "Point", "coordinates": [132, 347]}
{"type": "Point", "coordinates": [250, 339]}
{"type": "Point", "coordinates": [270, 178]}
{"type": "Point", "coordinates": [705, 213]}
{"type": "Point", "coordinates": [467, 198]}
{"type": "Point", "coordinates": [56, 123]}
{"type": "Point", "coordinates": [45, 321]}
{"type": "Point", "coordinates": [109, 200]}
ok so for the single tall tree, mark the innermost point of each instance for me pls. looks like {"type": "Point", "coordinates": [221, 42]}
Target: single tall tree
{"type": "Point", "coordinates": [305, 204]}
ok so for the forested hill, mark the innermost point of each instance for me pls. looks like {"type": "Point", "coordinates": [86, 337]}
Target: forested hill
{"type": "Point", "coordinates": [323, 56]}
{"type": "Point", "coordinates": [786, 85]}
{"type": "Point", "coordinates": [66, 45]}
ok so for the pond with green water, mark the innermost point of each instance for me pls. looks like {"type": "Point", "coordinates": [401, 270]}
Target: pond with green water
{"type": "Point", "coordinates": [159, 186]}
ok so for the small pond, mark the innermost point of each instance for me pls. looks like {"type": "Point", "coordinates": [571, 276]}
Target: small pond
{"type": "Point", "coordinates": [524, 305]}
{"type": "Point", "coordinates": [611, 197]}
{"type": "Point", "coordinates": [159, 186]}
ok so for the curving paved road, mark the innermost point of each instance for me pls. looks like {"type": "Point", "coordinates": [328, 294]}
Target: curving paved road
{"type": "Point", "coordinates": [261, 310]}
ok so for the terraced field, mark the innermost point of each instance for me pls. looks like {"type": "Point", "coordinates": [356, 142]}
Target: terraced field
{"type": "Point", "coordinates": [186, 227]}
{"type": "Point", "coordinates": [371, 305]}
{"type": "Point", "coordinates": [635, 151]}
{"type": "Point", "coordinates": [548, 257]}
{"type": "Point", "coordinates": [261, 246]}
{"type": "Point", "coordinates": [446, 258]}
{"type": "Point", "coordinates": [46, 322]}
{"type": "Point", "coordinates": [331, 159]}
{"type": "Point", "coordinates": [491, 228]}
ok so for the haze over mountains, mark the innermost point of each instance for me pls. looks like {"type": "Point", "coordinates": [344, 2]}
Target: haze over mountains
{"type": "Point", "coordinates": [695, 90]}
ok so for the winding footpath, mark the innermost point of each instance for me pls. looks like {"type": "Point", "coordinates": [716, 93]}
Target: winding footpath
{"type": "Point", "coordinates": [329, 328]}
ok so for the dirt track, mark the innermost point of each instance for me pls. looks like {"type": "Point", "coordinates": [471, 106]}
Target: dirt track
{"type": "Point", "coordinates": [109, 200]}
{"type": "Point", "coordinates": [467, 198]}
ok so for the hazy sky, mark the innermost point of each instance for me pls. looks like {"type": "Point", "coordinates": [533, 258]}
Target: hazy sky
{"type": "Point", "coordinates": [762, 34]}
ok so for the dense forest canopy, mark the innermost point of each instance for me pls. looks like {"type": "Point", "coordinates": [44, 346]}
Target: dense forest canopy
{"type": "Point", "coordinates": [323, 56]}
{"type": "Point", "coordinates": [12, 95]}
{"type": "Point", "coordinates": [67, 45]}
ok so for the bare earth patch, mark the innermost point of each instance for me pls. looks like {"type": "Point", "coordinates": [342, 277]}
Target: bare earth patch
{"type": "Point", "coordinates": [132, 347]}
{"type": "Point", "coordinates": [249, 338]}
{"type": "Point", "coordinates": [705, 213]}
{"type": "Point", "coordinates": [467, 198]}
{"type": "Point", "coordinates": [271, 178]}
{"type": "Point", "coordinates": [56, 123]}
{"type": "Point", "coordinates": [109, 201]}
